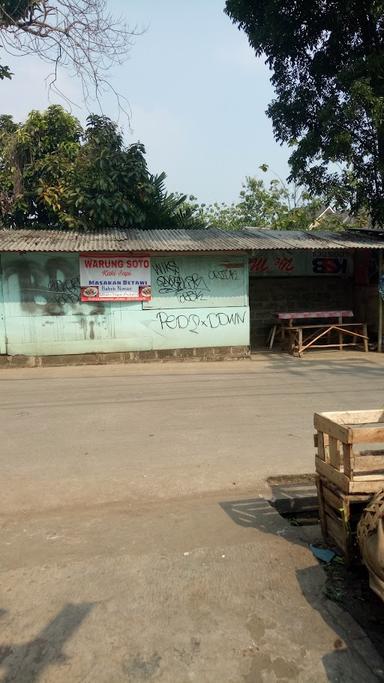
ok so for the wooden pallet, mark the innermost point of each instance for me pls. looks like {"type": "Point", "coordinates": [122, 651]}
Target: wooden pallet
{"type": "Point", "coordinates": [338, 441]}
{"type": "Point", "coordinates": [339, 515]}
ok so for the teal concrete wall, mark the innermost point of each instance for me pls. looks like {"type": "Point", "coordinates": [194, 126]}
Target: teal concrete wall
{"type": "Point", "coordinates": [3, 348]}
{"type": "Point", "coordinates": [198, 301]}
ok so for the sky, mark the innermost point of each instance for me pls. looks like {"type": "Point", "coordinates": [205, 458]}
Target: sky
{"type": "Point", "coordinates": [197, 97]}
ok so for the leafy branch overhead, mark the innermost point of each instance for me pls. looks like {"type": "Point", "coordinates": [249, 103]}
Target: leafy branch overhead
{"type": "Point", "coordinates": [327, 63]}
{"type": "Point", "coordinates": [77, 34]}
{"type": "Point", "coordinates": [55, 174]}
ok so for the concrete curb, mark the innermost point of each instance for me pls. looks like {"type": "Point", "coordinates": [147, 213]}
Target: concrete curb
{"type": "Point", "coordinates": [216, 353]}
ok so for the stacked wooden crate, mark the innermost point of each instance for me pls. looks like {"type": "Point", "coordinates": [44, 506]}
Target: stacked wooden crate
{"type": "Point", "coordinates": [350, 469]}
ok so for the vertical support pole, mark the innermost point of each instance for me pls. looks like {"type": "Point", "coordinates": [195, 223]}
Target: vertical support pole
{"type": "Point", "coordinates": [340, 333]}
{"type": "Point", "coordinates": [380, 325]}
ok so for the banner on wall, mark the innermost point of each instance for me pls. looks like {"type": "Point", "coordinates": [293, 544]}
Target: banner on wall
{"type": "Point", "coordinates": [115, 277]}
{"type": "Point", "coordinates": [286, 263]}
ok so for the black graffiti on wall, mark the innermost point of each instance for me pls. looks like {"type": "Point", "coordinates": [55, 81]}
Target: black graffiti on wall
{"type": "Point", "coordinates": [50, 287]}
{"type": "Point", "coordinates": [225, 274]}
{"type": "Point", "coordinates": [193, 322]}
{"type": "Point", "coordinates": [66, 291]}
{"type": "Point", "coordinates": [187, 287]}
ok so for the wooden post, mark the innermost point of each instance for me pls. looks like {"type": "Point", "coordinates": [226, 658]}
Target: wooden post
{"type": "Point", "coordinates": [340, 334]}
{"type": "Point", "coordinates": [380, 325]}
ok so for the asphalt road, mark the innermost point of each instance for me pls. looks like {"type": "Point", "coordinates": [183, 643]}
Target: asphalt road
{"type": "Point", "coordinates": [73, 436]}
{"type": "Point", "coordinates": [136, 544]}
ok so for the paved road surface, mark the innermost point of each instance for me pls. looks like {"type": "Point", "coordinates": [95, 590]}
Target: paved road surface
{"type": "Point", "coordinates": [76, 435]}
{"type": "Point", "coordinates": [135, 542]}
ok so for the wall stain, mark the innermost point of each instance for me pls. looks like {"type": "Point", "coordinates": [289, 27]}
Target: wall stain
{"type": "Point", "coordinates": [83, 324]}
{"type": "Point", "coordinates": [51, 288]}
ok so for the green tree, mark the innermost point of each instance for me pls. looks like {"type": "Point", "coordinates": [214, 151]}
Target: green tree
{"type": "Point", "coordinates": [55, 174]}
{"type": "Point", "coordinates": [36, 160]}
{"type": "Point", "coordinates": [327, 62]}
{"type": "Point", "coordinates": [276, 206]}
{"type": "Point", "coordinates": [171, 210]}
{"type": "Point", "coordinates": [109, 183]}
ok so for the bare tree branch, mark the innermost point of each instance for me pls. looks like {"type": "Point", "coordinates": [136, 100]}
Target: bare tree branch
{"type": "Point", "coordinates": [79, 35]}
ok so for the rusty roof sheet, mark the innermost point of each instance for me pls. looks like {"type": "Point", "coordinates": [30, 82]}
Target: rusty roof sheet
{"type": "Point", "coordinates": [122, 240]}
{"type": "Point", "coordinates": [210, 240]}
{"type": "Point", "coordinates": [299, 239]}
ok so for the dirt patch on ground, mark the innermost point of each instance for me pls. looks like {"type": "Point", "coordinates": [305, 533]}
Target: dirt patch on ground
{"type": "Point", "coordinates": [296, 479]}
{"type": "Point", "coordinates": [349, 587]}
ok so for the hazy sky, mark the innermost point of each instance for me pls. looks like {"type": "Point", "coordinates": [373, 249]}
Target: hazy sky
{"type": "Point", "coordinates": [197, 96]}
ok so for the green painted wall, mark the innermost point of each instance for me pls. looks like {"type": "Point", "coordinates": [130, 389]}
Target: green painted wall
{"type": "Point", "coordinates": [198, 301]}
{"type": "Point", "coordinates": [3, 347]}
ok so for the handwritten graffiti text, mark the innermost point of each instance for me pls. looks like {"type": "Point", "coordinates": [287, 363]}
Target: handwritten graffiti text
{"type": "Point", "coordinates": [66, 291]}
{"type": "Point", "coordinates": [226, 274]}
{"type": "Point", "coordinates": [194, 322]}
{"type": "Point", "coordinates": [186, 287]}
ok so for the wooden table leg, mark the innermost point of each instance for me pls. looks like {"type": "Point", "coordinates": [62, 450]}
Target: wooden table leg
{"type": "Point", "coordinates": [340, 334]}
{"type": "Point", "coordinates": [300, 341]}
{"type": "Point", "coordinates": [290, 323]}
{"type": "Point", "coordinates": [365, 332]}
{"type": "Point", "coordinates": [272, 336]}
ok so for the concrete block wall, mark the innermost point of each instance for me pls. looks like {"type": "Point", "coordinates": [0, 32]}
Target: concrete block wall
{"type": "Point", "coordinates": [267, 296]}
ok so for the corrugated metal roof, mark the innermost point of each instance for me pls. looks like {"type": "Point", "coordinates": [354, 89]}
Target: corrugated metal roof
{"type": "Point", "coordinates": [213, 239]}
{"type": "Point", "coordinates": [121, 240]}
{"type": "Point", "coordinates": [296, 239]}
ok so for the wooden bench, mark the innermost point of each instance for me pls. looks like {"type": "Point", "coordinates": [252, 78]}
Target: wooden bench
{"type": "Point", "coordinates": [302, 337]}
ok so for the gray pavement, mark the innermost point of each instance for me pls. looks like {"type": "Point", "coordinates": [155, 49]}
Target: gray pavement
{"type": "Point", "coordinates": [136, 543]}
{"type": "Point", "coordinates": [201, 589]}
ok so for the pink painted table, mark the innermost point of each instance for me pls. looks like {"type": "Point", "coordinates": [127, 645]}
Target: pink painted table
{"type": "Point", "coordinates": [304, 315]}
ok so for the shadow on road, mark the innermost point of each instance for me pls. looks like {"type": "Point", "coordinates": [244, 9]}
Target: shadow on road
{"type": "Point", "coordinates": [25, 663]}
{"type": "Point", "coordinates": [312, 362]}
{"type": "Point", "coordinates": [258, 513]}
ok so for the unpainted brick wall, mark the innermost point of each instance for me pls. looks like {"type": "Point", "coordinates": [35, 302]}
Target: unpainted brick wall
{"type": "Point", "coordinates": [367, 308]}
{"type": "Point", "coordinates": [268, 296]}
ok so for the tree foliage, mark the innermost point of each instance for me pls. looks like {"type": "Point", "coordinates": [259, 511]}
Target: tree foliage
{"type": "Point", "coordinates": [81, 35]}
{"type": "Point", "coordinates": [327, 62]}
{"type": "Point", "coordinates": [275, 206]}
{"type": "Point", "coordinates": [164, 204]}
{"type": "Point", "coordinates": [55, 174]}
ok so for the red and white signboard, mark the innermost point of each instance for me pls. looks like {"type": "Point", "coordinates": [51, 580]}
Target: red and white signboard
{"type": "Point", "coordinates": [115, 277]}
